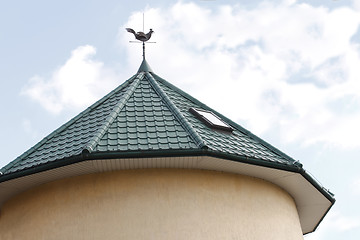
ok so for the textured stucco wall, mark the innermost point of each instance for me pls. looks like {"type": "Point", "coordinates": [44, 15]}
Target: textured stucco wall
{"type": "Point", "coordinates": [152, 204]}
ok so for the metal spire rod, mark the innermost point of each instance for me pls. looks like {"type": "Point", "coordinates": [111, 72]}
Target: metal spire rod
{"type": "Point", "coordinates": [143, 50]}
{"type": "Point", "coordinates": [141, 36]}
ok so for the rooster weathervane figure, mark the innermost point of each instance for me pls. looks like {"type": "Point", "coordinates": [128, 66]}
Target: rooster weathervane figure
{"type": "Point", "coordinates": [141, 36]}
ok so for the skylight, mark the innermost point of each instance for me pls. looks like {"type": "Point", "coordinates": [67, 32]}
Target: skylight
{"type": "Point", "coordinates": [211, 119]}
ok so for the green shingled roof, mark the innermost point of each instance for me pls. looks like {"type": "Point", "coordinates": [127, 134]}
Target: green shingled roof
{"type": "Point", "coordinates": [145, 116]}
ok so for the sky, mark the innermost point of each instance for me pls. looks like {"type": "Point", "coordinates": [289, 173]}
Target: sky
{"type": "Point", "coordinates": [286, 70]}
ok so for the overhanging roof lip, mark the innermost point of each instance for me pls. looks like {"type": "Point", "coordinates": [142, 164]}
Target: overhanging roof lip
{"type": "Point", "coordinates": [293, 173]}
{"type": "Point", "coordinates": [86, 155]}
{"type": "Point", "coordinates": [322, 218]}
{"type": "Point", "coordinates": [208, 152]}
{"type": "Point", "coordinates": [41, 168]}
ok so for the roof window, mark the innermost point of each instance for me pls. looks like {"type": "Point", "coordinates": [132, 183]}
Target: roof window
{"type": "Point", "coordinates": [211, 119]}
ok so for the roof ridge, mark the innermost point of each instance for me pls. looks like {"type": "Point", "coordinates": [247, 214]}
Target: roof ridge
{"type": "Point", "coordinates": [112, 116]}
{"type": "Point", "coordinates": [182, 120]}
{"type": "Point", "coordinates": [236, 125]}
{"type": "Point", "coordinates": [65, 125]}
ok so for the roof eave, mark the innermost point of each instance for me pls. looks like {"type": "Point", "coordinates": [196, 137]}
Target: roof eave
{"type": "Point", "coordinates": [86, 155]}
{"type": "Point", "coordinates": [297, 175]}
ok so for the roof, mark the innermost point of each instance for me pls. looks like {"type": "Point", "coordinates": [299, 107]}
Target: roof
{"type": "Point", "coordinates": [146, 113]}
{"type": "Point", "coordinates": [147, 117]}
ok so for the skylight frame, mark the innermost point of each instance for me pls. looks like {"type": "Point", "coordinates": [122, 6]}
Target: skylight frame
{"type": "Point", "coordinates": [211, 120]}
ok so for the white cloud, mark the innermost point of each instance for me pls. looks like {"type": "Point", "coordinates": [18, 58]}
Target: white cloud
{"type": "Point", "coordinates": [74, 85]}
{"type": "Point", "coordinates": [355, 186]}
{"type": "Point", "coordinates": [356, 4]}
{"type": "Point", "coordinates": [335, 222]}
{"type": "Point", "coordinates": [287, 65]}
{"type": "Point", "coordinates": [29, 129]}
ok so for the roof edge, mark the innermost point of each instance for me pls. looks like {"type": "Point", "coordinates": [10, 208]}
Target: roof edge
{"type": "Point", "coordinates": [86, 155]}
{"type": "Point", "coordinates": [93, 156]}
{"type": "Point", "coordinates": [332, 204]}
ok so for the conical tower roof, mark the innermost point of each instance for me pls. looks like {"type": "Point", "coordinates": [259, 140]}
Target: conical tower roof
{"type": "Point", "coordinates": [147, 122]}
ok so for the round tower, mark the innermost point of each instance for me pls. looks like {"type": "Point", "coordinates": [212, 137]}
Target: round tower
{"type": "Point", "coordinates": [149, 161]}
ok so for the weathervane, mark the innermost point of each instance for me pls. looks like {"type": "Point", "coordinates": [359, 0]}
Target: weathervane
{"type": "Point", "coordinates": [141, 36]}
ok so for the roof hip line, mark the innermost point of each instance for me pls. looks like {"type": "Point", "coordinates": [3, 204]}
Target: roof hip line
{"type": "Point", "coordinates": [182, 120]}
{"type": "Point", "coordinates": [112, 116]}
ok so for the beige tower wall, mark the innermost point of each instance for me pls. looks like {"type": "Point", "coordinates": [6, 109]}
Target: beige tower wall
{"type": "Point", "coordinates": [152, 204]}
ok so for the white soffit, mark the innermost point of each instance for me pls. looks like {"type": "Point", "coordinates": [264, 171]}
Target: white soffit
{"type": "Point", "coordinates": [312, 205]}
